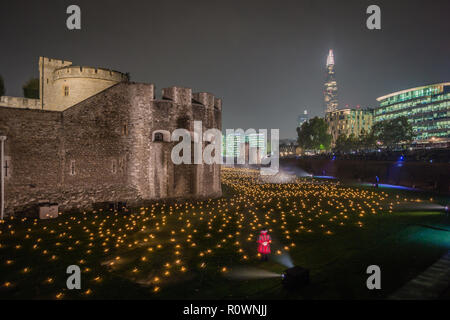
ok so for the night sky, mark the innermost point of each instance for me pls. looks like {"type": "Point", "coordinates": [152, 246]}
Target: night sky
{"type": "Point", "coordinates": [266, 59]}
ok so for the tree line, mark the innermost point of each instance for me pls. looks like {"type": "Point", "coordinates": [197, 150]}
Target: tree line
{"type": "Point", "coordinates": [389, 134]}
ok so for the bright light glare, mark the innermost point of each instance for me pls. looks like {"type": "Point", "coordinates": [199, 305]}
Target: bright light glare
{"type": "Point", "coordinates": [250, 273]}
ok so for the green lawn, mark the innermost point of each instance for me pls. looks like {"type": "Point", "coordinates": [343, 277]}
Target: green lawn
{"type": "Point", "coordinates": [179, 250]}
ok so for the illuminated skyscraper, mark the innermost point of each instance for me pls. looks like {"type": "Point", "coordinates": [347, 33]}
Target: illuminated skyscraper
{"type": "Point", "coordinates": [330, 87]}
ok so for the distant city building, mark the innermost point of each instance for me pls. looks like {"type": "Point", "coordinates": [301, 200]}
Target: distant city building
{"type": "Point", "coordinates": [301, 119]}
{"type": "Point", "coordinates": [427, 109]}
{"type": "Point", "coordinates": [330, 87]}
{"type": "Point", "coordinates": [231, 144]}
{"type": "Point", "coordinates": [288, 149]}
{"type": "Point", "coordinates": [236, 143]}
{"type": "Point", "coordinates": [257, 140]}
{"type": "Point", "coordinates": [349, 121]}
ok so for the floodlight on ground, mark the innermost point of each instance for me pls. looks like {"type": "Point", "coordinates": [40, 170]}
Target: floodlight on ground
{"type": "Point", "coordinates": [295, 277]}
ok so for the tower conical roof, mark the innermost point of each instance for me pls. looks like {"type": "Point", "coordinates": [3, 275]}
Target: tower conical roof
{"type": "Point", "coordinates": [330, 59]}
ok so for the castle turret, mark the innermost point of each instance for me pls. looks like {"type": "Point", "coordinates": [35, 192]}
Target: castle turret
{"type": "Point", "coordinates": [218, 103]}
{"type": "Point", "coordinates": [46, 68]}
{"type": "Point", "coordinates": [205, 98]}
{"type": "Point", "coordinates": [178, 95]}
{"type": "Point", "coordinates": [63, 85]}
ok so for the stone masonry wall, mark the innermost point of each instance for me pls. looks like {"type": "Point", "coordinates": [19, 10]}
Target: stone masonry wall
{"type": "Point", "coordinates": [32, 147]}
{"type": "Point", "coordinates": [101, 150]}
{"type": "Point", "coordinates": [97, 143]}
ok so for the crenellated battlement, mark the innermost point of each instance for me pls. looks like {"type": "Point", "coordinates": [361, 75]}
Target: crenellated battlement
{"type": "Point", "coordinates": [62, 85]}
{"type": "Point", "coordinates": [205, 98]}
{"type": "Point", "coordinates": [218, 104]}
{"type": "Point", "coordinates": [53, 63]}
{"type": "Point", "coordinates": [178, 95]}
{"type": "Point", "coordinates": [184, 96]}
{"type": "Point", "coordinates": [89, 72]}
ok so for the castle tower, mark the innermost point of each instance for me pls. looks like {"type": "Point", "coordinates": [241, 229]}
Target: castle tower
{"type": "Point", "coordinates": [62, 85]}
{"type": "Point", "coordinates": [46, 68]}
{"type": "Point", "coordinates": [330, 86]}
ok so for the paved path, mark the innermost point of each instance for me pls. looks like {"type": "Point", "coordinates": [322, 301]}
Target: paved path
{"type": "Point", "coordinates": [431, 284]}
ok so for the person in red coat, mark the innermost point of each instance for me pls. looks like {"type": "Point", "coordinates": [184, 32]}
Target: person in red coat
{"type": "Point", "coordinates": [264, 241]}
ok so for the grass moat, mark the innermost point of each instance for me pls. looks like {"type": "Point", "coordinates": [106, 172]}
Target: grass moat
{"type": "Point", "coordinates": [207, 249]}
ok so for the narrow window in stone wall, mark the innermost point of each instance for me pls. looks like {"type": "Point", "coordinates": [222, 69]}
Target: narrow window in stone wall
{"type": "Point", "coordinates": [66, 91]}
{"type": "Point", "coordinates": [72, 167]}
{"type": "Point", "coordinates": [7, 167]}
{"type": "Point", "coordinates": [159, 137]}
{"type": "Point", "coordinates": [122, 165]}
{"type": "Point", "coordinates": [125, 129]}
{"type": "Point", "coordinates": [114, 166]}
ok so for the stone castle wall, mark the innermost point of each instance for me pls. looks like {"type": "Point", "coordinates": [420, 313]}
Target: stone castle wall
{"type": "Point", "coordinates": [33, 149]}
{"type": "Point", "coordinates": [98, 146]}
{"type": "Point", "coordinates": [65, 85]}
{"type": "Point", "coordinates": [62, 85]}
{"type": "Point", "coordinates": [46, 68]}
{"type": "Point", "coordinates": [18, 102]}
{"type": "Point", "coordinates": [102, 149]}
{"type": "Point", "coordinates": [79, 90]}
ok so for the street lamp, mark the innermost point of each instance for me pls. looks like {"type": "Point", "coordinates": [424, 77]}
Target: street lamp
{"type": "Point", "coordinates": [2, 170]}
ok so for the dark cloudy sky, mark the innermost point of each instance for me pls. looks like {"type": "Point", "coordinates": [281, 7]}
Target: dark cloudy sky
{"type": "Point", "coordinates": [265, 58]}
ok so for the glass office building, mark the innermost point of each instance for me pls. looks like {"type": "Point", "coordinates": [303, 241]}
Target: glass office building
{"type": "Point", "coordinates": [427, 109]}
{"type": "Point", "coordinates": [231, 144]}
{"type": "Point", "coordinates": [235, 143]}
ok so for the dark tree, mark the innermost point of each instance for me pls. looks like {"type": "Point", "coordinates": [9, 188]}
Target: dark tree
{"type": "Point", "coordinates": [2, 87]}
{"type": "Point", "coordinates": [313, 135]}
{"type": "Point", "coordinates": [366, 141]}
{"type": "Point", "coordinates": [31, 89]}
{"type": "Point", "coordinates": [392, 132]}
{"type": "Point", "coordinates": [341, 143]}
{"type": "Point", "coordinates": [347, 144]}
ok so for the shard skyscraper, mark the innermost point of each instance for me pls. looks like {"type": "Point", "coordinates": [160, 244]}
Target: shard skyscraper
{"type": "Point", "coordinates": [330, 87]}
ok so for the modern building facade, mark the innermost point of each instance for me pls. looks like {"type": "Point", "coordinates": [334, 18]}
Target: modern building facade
{"type": "Point", "coordinates": [237, 143]}
{"type": "Point", "coordinates": [349, 121]}
{"type": "Point", "coordinates": [330, 86]}
{"type": "Point", "coordinates": [427, 109]}
{"type": "Point", "coordinates": [288, 149]}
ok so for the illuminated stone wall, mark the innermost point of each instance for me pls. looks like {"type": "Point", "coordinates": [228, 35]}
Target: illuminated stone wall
{"type": "Point", "coordinates": [102, 149]}
{"type": "Point", "coordinates": [72, 85]}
